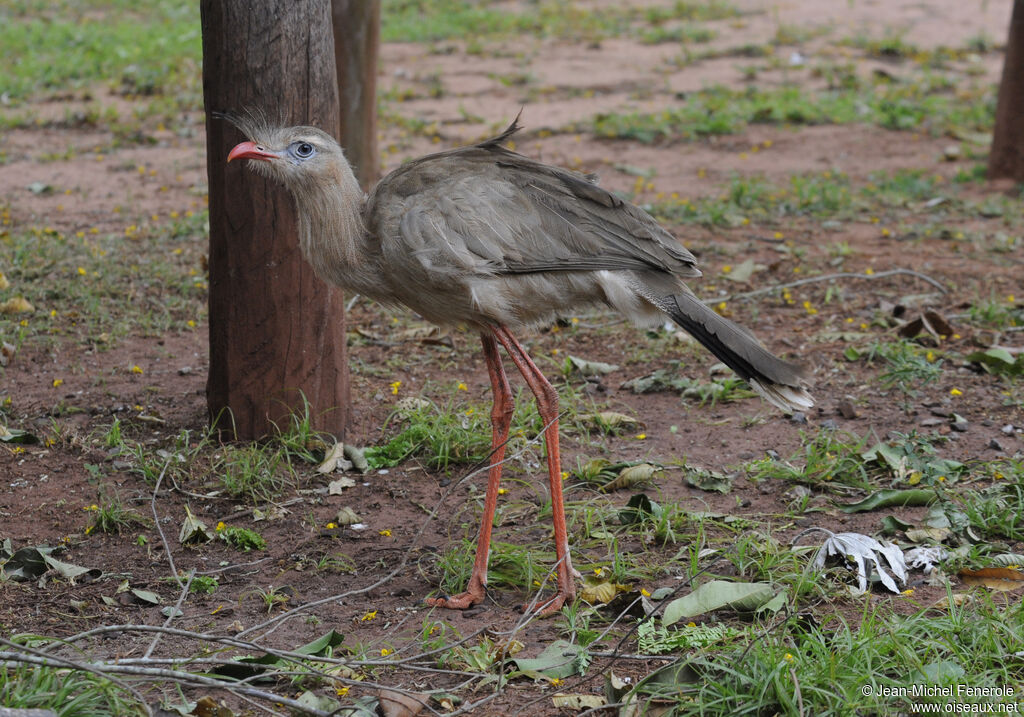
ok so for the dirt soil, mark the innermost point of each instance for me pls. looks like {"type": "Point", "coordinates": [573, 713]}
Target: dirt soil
{"type": "Point", "coordinates": [47, 489]}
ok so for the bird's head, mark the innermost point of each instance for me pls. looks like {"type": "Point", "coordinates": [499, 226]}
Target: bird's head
{"type": "Point", "coordinates": [294, 156]}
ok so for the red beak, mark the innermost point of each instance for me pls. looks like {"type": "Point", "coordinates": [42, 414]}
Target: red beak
{"type": "Point", "coordinates": [250, 150]}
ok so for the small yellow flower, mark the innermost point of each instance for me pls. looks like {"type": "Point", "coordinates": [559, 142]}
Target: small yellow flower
{"type": "Point", "coordinates": [386, 533]}
{"type": "Point", "coordinates": [57, 382]}
{"type": "Point", "coordinates": [369, 616]}
{"type": "Point", "coordinates": [863, 326]}
{"type": "Point", "coordinates": [955, 392]}
{"type": "Point", "coordinates": [726, 268]}
{"type": "Point", "coordinates": [190, 323]}
{"type": "Point", "coordinates": [930, 357]}
{"type": "Point", "coordinates": [331, 526]}
{"type": "Point", "coordinates": [1010, 299]}
{"type": "Point", "coordinates": [941, 479]}
{"type": "Point", "coordinates": [384, 652]}
{"type": "Point", "coordinates": [721, 307]}
{"type": "Point", "coordinates": [641, 436]}
{"type": "Point", "coordinates": [809, 309]}
{"type": "Point", "coordinates": [395, 385]}
{"type": "Point", "coordinates": [462, 387]}
{"type": "Point", "coordinates": [788, 657]}
{"type": "Point", "coordinates": [778, 235]}
{"type": "Point", "coordinates": [869, 271]}
{"type": "Point", "coordinates": [341, 691]}
{"type": "Point", "coordinates": [555, 681]}
{"type": "Point", "coordinates": [136, 369]}
{"type": "Point", "coordinates": [908, 592]}
{"type": "Point", "coordinates": [565, 474]}
{"type": "Point", "coordinates": [81, 271]}
{"type": "Point", "coordinates": [502, 491]}
{"type": "Point", "coordinates": [221, 525]}
{"type": "Point", "coordinates": [886, 232]}
{"type": "Point", "coordinates": [645, 592]}
{"type": "Point", "coordinates": [88, 529]}
{"type": "Point", "coordinates": [875, 220]}
{"type": "Point", "coordinates": [691, 624]}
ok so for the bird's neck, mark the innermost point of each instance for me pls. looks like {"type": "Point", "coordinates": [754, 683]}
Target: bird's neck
{"type": "Point", "coordinates": [331, 230]}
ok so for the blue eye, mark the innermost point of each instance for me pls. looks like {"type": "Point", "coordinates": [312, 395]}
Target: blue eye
{"type": "Point", "coordinates": [303, 150]}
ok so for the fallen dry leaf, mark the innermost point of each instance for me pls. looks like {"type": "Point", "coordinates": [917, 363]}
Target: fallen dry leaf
{"type": "Point", "coordinates": [1001, 579]}
{"type": "Point", "coordinates": [401, 704]}
{"type": "Point", "coordinates": [17, 305]}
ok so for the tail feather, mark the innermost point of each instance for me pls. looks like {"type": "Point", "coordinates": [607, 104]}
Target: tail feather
{"type": "Point", "coordinates": [779, 382]}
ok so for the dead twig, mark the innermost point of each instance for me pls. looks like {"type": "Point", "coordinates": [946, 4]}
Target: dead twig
{"type": "Point", "coordinates": [831, 277]}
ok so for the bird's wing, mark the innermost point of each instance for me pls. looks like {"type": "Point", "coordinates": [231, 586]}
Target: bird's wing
{"type": "Point", "coordinates": [485, 209]}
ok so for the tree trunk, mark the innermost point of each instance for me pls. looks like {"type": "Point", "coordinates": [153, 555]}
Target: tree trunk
{"type": "Point", "coordinates": [356, 38]}
{"type": "Point", "coordinates": [277, 333]}
{"type": "Point", "coordinates": [1006, 158]}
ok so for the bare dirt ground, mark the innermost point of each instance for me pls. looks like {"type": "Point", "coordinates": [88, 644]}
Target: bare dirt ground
{"type": "Point", "coordinates": [47, 489]}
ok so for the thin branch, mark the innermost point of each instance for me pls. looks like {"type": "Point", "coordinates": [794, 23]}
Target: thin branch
{"type": "Point", "coordinates": [831, 277]}
{"type": "Point", "coordinates": [28, 654]}
{"type": "Point", "coordinates": [185, 678]}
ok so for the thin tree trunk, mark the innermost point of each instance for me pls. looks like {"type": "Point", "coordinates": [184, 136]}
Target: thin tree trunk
{"type": "Point", "coordinates": [356, 39]}
{"type": "Point", "coordinates": [277, 333]}
{"type": "Point", "coordinates": [1006, 158]}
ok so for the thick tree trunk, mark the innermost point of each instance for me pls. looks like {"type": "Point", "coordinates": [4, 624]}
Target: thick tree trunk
{"type": "Point", "coordinates": [356, 38]}
{"type": "Point", "coordinates": [277, 333]}
{"type": "Point", "coordinates": [1006, 159]}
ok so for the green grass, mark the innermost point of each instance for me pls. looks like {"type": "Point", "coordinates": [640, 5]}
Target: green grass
{"type": "Point", "coordinates": [908, 366]}
{"type": "Point", "coordinates": [68, 694]}
{"type": "Point", "coordinates": [135, 48]}
{"type": "Point", "coordinates": [924, 106]}
{"type": "Point", "coordinates": [826, 458]}
{"type": "Point", "coordinates": [839, 668]}
{"type": "Point", "coordinates": [77, 282]}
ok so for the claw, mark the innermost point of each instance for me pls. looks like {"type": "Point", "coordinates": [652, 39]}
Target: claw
{"type": "Point", "coordinates": [550, 607]}
{"type": "Point", "coordinates": [462, 601]}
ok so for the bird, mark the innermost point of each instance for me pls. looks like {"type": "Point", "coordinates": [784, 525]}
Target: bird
{"type": "Point", "coordinates": [488, 239]}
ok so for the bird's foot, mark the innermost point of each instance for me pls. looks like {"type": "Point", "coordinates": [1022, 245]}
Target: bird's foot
{"type": "Point", "coordinates": [462, 601]}
{"type": "Point", "coordinates": [549, 608]}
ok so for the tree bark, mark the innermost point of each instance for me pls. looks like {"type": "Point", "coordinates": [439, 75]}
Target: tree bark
{"type": "Point", "coordinates": [277, 333]}
{"type": "Point", "coordinates": [356, 39]}
{"type": "Point", "coordinates": [1006, 158]}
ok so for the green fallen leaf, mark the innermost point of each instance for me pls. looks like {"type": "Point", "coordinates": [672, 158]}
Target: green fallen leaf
{"type": "Point", "coordinates": [716, 594]}
{"type": "Point", "coordinates": [193, 531]}
{"type": "Point", "coordinates": [147, 596]}
{"type": "Point", "coordinates": [704, 479]}
{"type": "Point", "coordinates": [16, 435]}
{"type": "Point", "coordinates": [892, 525]}
{"type": "Point", "coordinates": [589, 368]}
{"type": "Point", "coordinates": [323, 646]}
{"type": "Point", "coordinates": [638, 509]}
{"type": "Point", "coordinates": [578, 703]}
{"type": "Point", "coordinates": [631, 476]}
{"type": "Point", "coordinates": [998, 360]}
{"type": "Point", "coordinates": [889, 498]}
{"type": "Point", "coordinates": [560, 659]}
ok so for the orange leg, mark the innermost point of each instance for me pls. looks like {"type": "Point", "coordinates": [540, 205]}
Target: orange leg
{"type": "Point", "coordinates": [501, 419]}
{"type": "Point", "coordinates": [547, 406]}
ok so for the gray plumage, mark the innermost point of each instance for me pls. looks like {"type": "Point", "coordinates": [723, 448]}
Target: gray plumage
{"type": "Point", "coordinates": [485, 237]}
